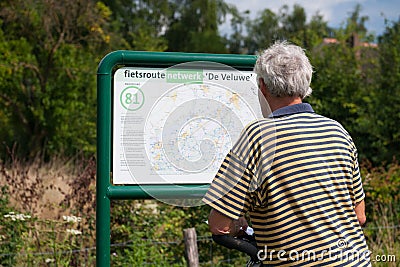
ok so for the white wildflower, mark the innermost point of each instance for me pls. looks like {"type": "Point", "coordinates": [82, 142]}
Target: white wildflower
{"type": "Point", "coordinates": [15, 217]}
{"type": "Point", "coordinates": [49, 260]}
{"type": "Point", "coordinates": [72, 219]}
{"type": "Point", "coordinates": [74, 231]}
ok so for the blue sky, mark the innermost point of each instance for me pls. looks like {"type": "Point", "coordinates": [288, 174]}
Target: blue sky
{"type": "Point", "coordinates": [334, 12]}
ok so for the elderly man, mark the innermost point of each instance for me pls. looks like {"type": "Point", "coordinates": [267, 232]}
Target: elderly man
{"type": "Point", "coordinates": [294, 173]}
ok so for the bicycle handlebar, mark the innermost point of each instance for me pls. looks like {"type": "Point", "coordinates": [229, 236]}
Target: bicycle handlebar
{"type": "Point", "coordinates": [244, 244]}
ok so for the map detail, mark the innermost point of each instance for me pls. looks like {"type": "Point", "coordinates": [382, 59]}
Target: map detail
{"type": "Point", "coordinates": [192, 127]}
{"type": "Point", "coordinates": [176, 125]}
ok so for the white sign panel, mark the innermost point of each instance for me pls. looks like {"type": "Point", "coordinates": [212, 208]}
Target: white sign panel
{"type": "Point", "coordinates": [175, 125]}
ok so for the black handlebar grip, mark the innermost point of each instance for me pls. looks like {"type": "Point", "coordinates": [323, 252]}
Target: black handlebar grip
{"type": "Point", "coordinates": [238, 244]}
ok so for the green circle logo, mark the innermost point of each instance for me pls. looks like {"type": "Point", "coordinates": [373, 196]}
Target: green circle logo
{"type": "Point", "coordinates": [132, 98]}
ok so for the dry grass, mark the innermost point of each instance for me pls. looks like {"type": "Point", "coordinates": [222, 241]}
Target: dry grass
{"type": "Point", "coordinates": [383, 237]}
{"type": "Point", "coordinates": [49, 190]}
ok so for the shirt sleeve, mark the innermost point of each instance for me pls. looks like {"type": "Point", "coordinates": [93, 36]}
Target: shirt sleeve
{"type": "Point", "coordinates": [233, 190]}
{"type": "Point", "coordinates": [229, 191]}
{"type": "Point", "coordinates": [358, 192]}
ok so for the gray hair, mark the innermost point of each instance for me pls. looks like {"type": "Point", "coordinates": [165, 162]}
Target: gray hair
{"type": "Point", "coordinates": [285, 69]}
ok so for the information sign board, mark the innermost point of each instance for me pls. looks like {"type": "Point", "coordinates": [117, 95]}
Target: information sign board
{"type": "Point", "coordinates": [175, 125]}
{"type": "Point", "coordinates": [164, 120]}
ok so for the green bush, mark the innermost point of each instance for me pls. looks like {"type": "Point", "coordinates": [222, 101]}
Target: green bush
{"type": "Point", "coordinates": [150, 233]}
{"type": "Point", "coordinates": [13, 230]}
{"type": "Point", "coordinates": [382, 189]}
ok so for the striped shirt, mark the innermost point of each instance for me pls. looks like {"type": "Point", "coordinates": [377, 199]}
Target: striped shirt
{"type": "Point", "coordinates": [296, 174]}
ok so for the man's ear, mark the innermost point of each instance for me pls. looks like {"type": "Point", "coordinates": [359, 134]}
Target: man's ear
{"type": "Point", "coordinates": [263, 87]}
{"type": "Point", "coordinates": [263, 96]}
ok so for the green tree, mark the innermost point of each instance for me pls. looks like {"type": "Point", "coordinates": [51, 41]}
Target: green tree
{"type": "Point", "coordinates": [194, 27]}
{"type": "Point", "coordinates": [141, 23]}
{"type": "Point", "coordinates": [236, 40]}
{"type": "Point", "coordinates": [48, 74]}
{"type": "Point", "coordinates": [356, 24]}
{"type": "Point", "coordinates": [387, 100]}
{"type": "Point", "coordinates": [336, 82]}
{"type": "Point", "coordinates": [294, 26]}
{"type": "Point", "coordinates": [317, 30]}
{"type": "Point", "coordinates": [262, 31]}
{"type": "Point", "coordinates": [288, 24]}
{"type": "Point", "coordinates": [345, 82]}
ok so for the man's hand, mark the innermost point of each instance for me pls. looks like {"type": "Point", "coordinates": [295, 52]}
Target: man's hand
{"type": "Point", "coordinates": [360, 212]}
{"type": "Point", "coordinates": [239, 226]}
{"type": "Point", "coordinates": [221, 224]}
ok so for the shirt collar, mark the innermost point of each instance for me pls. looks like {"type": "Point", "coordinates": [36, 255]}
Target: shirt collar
{"type": "Point", "coordinates": [292, 109]}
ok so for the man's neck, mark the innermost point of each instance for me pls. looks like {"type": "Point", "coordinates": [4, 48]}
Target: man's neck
{"type": "Point", "coordinates": [280, 102]}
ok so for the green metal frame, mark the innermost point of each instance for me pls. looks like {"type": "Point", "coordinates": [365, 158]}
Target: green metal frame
{"type": "Point", "coordinates": [105, 191]}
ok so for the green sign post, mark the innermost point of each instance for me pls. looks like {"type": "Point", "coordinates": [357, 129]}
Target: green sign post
{"type": "Point", "coordinates": [107, 185]}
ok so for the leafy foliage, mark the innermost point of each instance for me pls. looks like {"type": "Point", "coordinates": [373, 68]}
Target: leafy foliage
{"type": "Point", "coordinates": [48, 83]}
{"type": "Point", "coordinates": [385, 131]}
{"type": "Point", "coordinates": [150, 233]}
{"type": "Point", "coordinates": [382, 187]}
{"type": "Point", "coordinates": [11, 233]}
{"type": "Point", "coordinates": [49, 51]}
{"type": "Point", "coordinates": [140, 24]}
{"type": "Point", "coordinates": [195, 26]}
{"type": "Point", "coordinates": [48, 89]}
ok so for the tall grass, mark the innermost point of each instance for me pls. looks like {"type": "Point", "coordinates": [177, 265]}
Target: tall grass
{"type": "Point", "coordinates": [383, 237]}
{"type": "Point", "coordinates": [382, 187]}
{"type": "Point", "coordinates": [47, 214]}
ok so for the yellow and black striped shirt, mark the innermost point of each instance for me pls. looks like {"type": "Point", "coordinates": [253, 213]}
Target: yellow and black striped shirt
{"type": "Point", "coordinates": [296, 174]}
